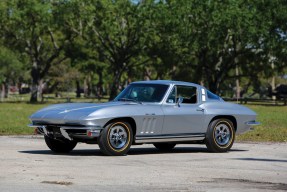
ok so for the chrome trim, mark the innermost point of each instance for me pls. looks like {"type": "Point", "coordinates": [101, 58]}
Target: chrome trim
{"type": "Point", "coordinates": [83, 127]}
{"type": "Point", "coordinates": [35, 126]}
{"type": "Point", "coordinates": [182, 135]}
{"type": "Point", "coordinates": [93, 133]}
{"type": "Point", "coordinates": [93, 130]}
{"type": "Point", "coordinates": [44, 130]}
{"type": "Point", "coordinates": [96, 127]}
{"type": "Point", "coordinates": [252, 123]}
{"type": "Point", "coordinates": [41, 128]}
{"type": "Point", "coordinates": [174, 139]}
{"type": "Point", "coordinates": [65, 134]}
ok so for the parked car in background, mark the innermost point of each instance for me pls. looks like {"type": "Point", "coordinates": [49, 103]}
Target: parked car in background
{"type": "Point", "coordinates": [161, 112]}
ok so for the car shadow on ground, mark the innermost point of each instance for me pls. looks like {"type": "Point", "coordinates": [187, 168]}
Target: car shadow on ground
{"type": "Point", "coordinates": [262, 159]}
{"type": "Point", "coordinates": [133, 151]}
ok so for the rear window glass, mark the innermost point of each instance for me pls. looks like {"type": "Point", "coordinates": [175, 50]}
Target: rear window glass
{"type": "Point", "coordinates": [212, 96]}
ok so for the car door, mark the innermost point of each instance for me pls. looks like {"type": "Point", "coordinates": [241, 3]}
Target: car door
{"type": "Point", "coordinates": [185, 116]}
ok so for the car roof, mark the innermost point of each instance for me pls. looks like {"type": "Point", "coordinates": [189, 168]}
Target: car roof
{"type": "Point", "coordinates": [166, 82]}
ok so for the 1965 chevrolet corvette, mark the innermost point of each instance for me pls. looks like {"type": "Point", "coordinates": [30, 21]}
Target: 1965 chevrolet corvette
{"type": "Point", "coordinates": [164, 113]}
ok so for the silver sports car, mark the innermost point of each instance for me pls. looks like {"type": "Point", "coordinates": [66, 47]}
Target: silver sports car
{"type": "Point", "coordinates": [164, 113]}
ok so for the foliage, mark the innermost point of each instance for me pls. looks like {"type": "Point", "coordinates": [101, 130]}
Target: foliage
{"type": "Point", "coordinates": [11, 67]}
{"type": "Point", "coordinates": [31, 28]}
{"type": "Point", "coordinates": [111, 43]}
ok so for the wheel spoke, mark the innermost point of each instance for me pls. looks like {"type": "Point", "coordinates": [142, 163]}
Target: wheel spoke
{"type": "Point", "coordinates": [222, 134]}
{"type": "Point", "coordinates": [217, 134]}
{"type": "Point", "coordinates": [118, 137]}
{"type": "Point", "coordinates": [123, 135]}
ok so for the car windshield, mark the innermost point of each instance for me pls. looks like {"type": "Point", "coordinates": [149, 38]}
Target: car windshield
{"type": "Point", "coordinates": [143, 93]}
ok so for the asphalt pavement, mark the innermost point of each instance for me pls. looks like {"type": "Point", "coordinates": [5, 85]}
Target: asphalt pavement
{"type": "Point", "coordinates": [27, 165]}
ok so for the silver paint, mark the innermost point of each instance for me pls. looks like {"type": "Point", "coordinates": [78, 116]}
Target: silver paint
{"type": "Point", "coordinates": [160, 118]}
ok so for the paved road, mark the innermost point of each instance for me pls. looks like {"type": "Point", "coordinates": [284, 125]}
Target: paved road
{"type": "Point", "coordinates": [27, 165]}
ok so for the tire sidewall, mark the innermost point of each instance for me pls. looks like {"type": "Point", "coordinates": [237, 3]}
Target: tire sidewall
{"type": "Point", "coordinates": [210, 136]}
{"type": "Point", "coordinates": [104, 140]}
{"type": "Point", "coordinates": [59, 146]}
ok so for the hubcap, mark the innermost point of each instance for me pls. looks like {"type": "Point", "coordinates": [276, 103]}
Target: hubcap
{"type": "Point", "coordinates": [222, 134]}
{"type": "Point", "coordinates": [118, 137]}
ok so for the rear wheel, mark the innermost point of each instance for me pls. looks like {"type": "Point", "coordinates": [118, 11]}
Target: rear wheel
{"type": "Point", "coordinates": [164, 146]}
{"type": "Point", "coordinates": [220, 135]}
{"type": "Point", "coordinates": [60, 146]}
{"type": "Point", "coordinates": [116, 138]}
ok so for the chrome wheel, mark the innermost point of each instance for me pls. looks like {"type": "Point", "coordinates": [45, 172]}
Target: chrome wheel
{"type": "Point", "coordinates": [118, 137]}
{"type": "Point", "coordinates": [222, 134]}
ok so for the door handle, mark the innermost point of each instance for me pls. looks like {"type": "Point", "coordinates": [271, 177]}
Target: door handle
{"type": "Point", "coordinates": [200, 109]}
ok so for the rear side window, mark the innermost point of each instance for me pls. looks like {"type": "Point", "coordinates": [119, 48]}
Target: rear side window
{"type": "Point", "coordinates": [212, 96]}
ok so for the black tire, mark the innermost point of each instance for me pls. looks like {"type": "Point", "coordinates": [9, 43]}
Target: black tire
{"type": "Point", "coordinates": [58, 146]}
{"type": "Point", "coordinates": [164, 146]}
{"type": "Point", "coordinates": [220, 135]}
{"type": "Point", "coordinates": [116, 138]}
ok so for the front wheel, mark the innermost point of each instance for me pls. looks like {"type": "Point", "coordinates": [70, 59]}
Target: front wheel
{"type": "Point", "coordinates": [220, 135]}
{"type": "Point", "coordinates": [116, 138]}
{"type": "Point", "coordinates": [60, 146]}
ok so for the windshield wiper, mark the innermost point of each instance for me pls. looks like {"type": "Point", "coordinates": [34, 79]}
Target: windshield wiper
{"type": "Point", "coordinates": [126, 99]}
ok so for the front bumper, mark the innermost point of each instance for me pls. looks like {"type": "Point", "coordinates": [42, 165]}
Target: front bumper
{"type": "Point", "coordinates": [252, 123]}
{"type": "Point", "coordinates": [68, 132]}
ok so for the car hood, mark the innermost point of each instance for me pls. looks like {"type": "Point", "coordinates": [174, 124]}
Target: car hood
{"type": "Point", "coordinates": [73, 111]}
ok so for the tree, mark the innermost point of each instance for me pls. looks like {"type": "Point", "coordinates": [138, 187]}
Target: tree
{"type": "Point", "coordinates": [31, 27]}
{"type": "Point", "coordinates": [117, 32]}
{"type": "Point", "coordinates": [220, 41]}
{"type": "Point", "coordinates": [75, 18]}
{"type": "Point", "coordinates": [10, 69]}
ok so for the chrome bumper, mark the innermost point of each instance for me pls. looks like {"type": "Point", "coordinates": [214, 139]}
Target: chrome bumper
{"type": "Point", "coordinates": [252, 123]}
{"type": "Point", "coordinates": [91, 131]}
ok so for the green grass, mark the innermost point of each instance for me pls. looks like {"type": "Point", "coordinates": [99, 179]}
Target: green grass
{"type": "Point", "coordinates": [273, 126]}
{"type": "Point", "coordinates": [14, 117]}
{"type": "Point", "coordinates": [14, 120]}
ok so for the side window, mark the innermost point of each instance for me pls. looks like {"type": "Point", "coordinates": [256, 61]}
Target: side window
{"type": "Point", "coordinates": [171, 97]}
{"type": "Point", "coordinates": [188, 93]}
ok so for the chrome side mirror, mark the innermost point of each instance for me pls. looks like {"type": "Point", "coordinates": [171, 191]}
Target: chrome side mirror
{"type": "Point", "coordinates": [179, 101]}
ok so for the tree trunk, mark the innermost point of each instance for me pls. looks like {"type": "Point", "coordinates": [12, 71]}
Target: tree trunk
{"type": "Point", "coordinates": [113, 92]}
{"type": "Point", "coordinates": [115, 85]}
{"type": "Point", "coordinates": [35, 81]}
{"type": "Point", "coordinates": [100, 85]}
{"type": "Point", "coordinates": [85, 88]}
{"type": "Point", "coordinates": [2, 91]}
{"type": "Point", "coordinates": [53, 87]}
{"type": "Point", "coordinates": [273, 84]}
{"type": "Point", "coordinates": [6, 90]}
{"type": "Point", "coordinates": [78, 92]}
{"type": "Point", "coordinates": [89, 86]}
{"type": "Point", "coordinates": [40, 89]}
{"type": "Point", "coordinates": [237, 83]}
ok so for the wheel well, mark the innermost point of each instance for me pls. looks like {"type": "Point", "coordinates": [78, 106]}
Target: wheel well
{"type": "Point", "coordinates": [229, 117]}
{"type": "Point", "coordinates": [130, 120]}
